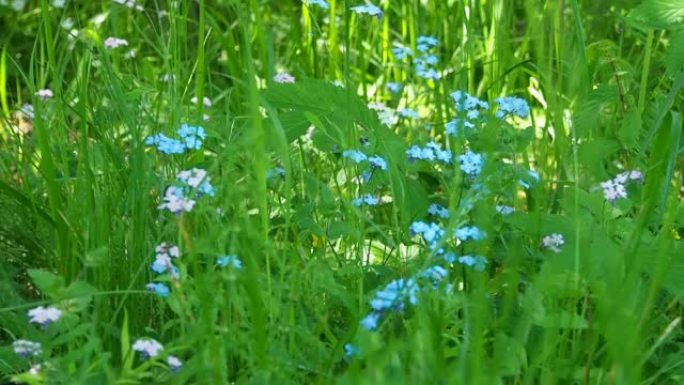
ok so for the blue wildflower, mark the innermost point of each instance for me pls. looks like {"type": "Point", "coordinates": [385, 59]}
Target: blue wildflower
{"type": "Point", "coordinates": [158, 288]}
{"type": "Point", "coordinates": [469, 232]}
{"type": "Point", "coordinates": [369, 9]}
{"type": "Point", "coordinates": [395, 294]}
{"type": "Point", "coordinates": [355, 155]}
{"type": "Point", "coordinates": [370, 322]}
{"type": "Point", "coordinates": [427, 73]}
{"type": "Point", "coordinates": [367, 199]}
{"type": "Point", "coordinates": [504, 210]}
{"type": "Point", "coordinates": [409, 113]}
{"type": "Point", "coordinates": [465, 102]}
{"type": "Point", "coordinates": [435, 273]}
{"type": "Point", "coordinates": [532, 177]}
{"type": "Point", "coordinates": [471, 163]}
{"type": "Point", "coordinates": [430, 59]}
{"type": "Point", "coordinates": [513, 106]}
{"type": "Point", "coordinates": [438, 210]}
{"type": "Point", "coordinates": [430, 41]}
{"type": "Point", "coordinates": [400, 52]}
{"type": "Point", "coordinates": [351, 350]}
{"type": "Point", "coordinates": [394, 87]}
{"type": "Point", "coordinates": [477, 262]}
{"type": "Point", "coordinates": [454, 126]}
{"type": "Point", "coordinates": [321, 3]}
{"type": "Point", "coordinates": [276, 171]}
{"type": "Point", "coordinates": [377, 162]}
{"type": "Point", "coordinates": [193, 136]}
{"type": "Point", "coordinates": [431, 232]}
{"type": "Point", "coordinates": [229, 260]}
{"type": "Point", "coordinates": [165, 145]}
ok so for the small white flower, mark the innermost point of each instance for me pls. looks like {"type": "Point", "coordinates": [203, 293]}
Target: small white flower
{"type": "Point", "coordinates": [205, 100]}
{"type": "Point", "coordinates": [35, 368]}
{"type": "Point", "coordinates": [26, 348]}
{"type": "Point", "coordinates": [553, 242]}
{"type": "Point", "coordinates": [174, 363]}
{"type": "Point", "coordinates": [284, 77]}
{"type": "Point", "coordinates": [147, 347]}
{"type": "Point", "coordinates": [131, 54]}
{"type": "Point", "coordinates": [67, 23]}
{"type": "Point", "coordinates": [44, 94]}
{"type": "Point", "coordinates": [58, 3]}
{"type": "Point", "coordinates": [115, 42]}
{"type": "Point", "coordinates": [44, 315]}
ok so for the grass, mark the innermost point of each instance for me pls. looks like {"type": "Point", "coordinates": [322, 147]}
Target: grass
{"type": "Point", "coordinates": [80, 189]}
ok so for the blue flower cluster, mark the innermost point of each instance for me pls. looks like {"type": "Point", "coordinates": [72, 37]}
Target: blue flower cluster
{"type": "Point", "coordinates": [431, 152]}
{"type": "Point", "coordinates": [163, 264]}
{"type": "Point", "coordinates": [438, 210]}
{"type": "Point", "coordinates": [321, 3]}
{"type": "Point", "coordinates": [469, 232]}
{"type": "Point", "coordinates": [356, 156]}
{"type": "Point", "coordinates": [178, 198]}
{"type": "Point", "coordinates": [394, 87]}
{"type": "Point", "coordinates": [401, 52]}
{"type": "Point", "coordinates": [192, 138]}
{"type": "Point", "coordinates": [229, 261]}
{"type": "Point", "coordinates": [471, 163]}
{"type": "Point", "coordinates": [369, 9]}
{"type": "Point", "coordinates": [398, 293]}
{"type": "Point", "coordinates": [430, 232]}
{"type": "Point", "coordinates": [368, 199]}
{"type": "Point", "coordinates": [425, 64]}
{"type": "Point", "coordinates": [409, 113]}
{"type": "Point", "coordinates": [477, 262]}
{"type": "Point", "coordinates": [511, 105]}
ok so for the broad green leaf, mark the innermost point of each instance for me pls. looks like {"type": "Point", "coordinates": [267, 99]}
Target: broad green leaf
{"type": "Point", "coordinates": [48, 283]}
{"type": "Point", "coordinates": [659, 14]}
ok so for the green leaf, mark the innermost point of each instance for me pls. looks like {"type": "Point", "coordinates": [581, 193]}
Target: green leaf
{"type": "Point", "coordinates": [659, 14]}
{"type": "Point", "coordinates": [48, 283]}
{"type": "Point", "coordinates": [674, 57]}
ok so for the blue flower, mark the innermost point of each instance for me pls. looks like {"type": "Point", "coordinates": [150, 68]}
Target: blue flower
{"type": "Point", "coordinates": [409, 113]}
{"type": "Point", "coordinates": [229, 260]}
{"type": "Point", "coordinates": [351, 350]}
{"type": "Point", "coordinates": [431, 152]}
{"type": "Point", "coordinates": [369, 9]}
{"type": "Point", "coordinates": [355, 155]}
{"type": "Point", "coordinates": [401, 52]}
{"type": "Point", "coordinates": [394, 87]}
{"type": "Point", "coordinates": [435, 273]}
{"type": "Point", "coordinates": [512, 105]}
{"type": "Point", "coordinates": [370, 322]}
{"type": "Point", "coordinates": [430, 59]}
{"type": "Point", "coordinates": [160, 266]}
{"type": "Point", "coordinates": [321, 3]}
{"type": "Point", "coordinates": [193, 136]}
{"type": "Point", "coordinates": [464, 101]}
{"type": "Point", "coordinates": [206, 188]}
{"type": "Point", "coordinates": [427, 73]}
{"type": "Point", "coordinates": [377, 162]}
{"type": "Point", "coordinates": [367, 199]}
{"type": "Point", "coordinates": [454, 126]}
{"type": "Point", "coordinates": [395, 294]}
{"type": "Point", "coordinates": [469, 232]}
{"type": "Point", "coordinates": [276, 171]}
{"type": "Point", "coordinates": [471, 163]}
{"type": "Point", "coordinates": [477, 262]}
{"type": "Point", "coordinates": [438, 210]}
{"type": "Point", "coordinates": [165, 145]}
{"type": "Point", "coordinates": [428, 41]}
{"type": "Point", "coordinates": [431, 232]}
{"type": "Point", "coordinates": [158, 288]}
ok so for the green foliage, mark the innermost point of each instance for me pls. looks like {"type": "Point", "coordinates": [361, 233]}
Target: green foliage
{"type": "Point", "coordinates": [80, 192]}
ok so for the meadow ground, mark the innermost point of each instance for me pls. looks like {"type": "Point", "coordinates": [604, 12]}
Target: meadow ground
{"type": "Point", "coordinates": [339, 192]}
